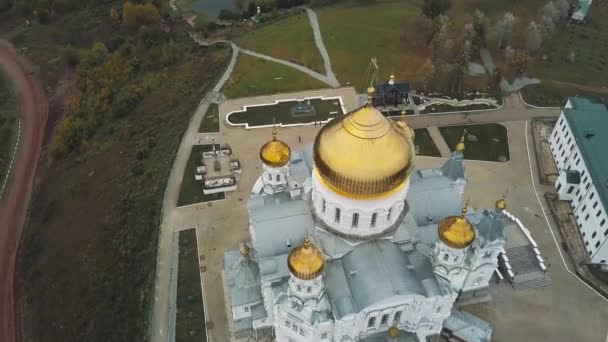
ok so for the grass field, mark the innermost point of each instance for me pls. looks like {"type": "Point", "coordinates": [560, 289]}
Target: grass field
{"type": "Point", "coordinates": [290, 39]}
{"type": "Point", "coordinates": [191, 190]}
{"type": "Point", "coordinates": [487, 142]}
{"type": "Point", "coordinates": [281, 113]}
{"type": "Point", "coordinates": [190, 315]}
{"type": "Point", "coordinates": [211, 121]}
{"type": "Point", "coordinates": [549, 94]}
{"type": "Point", "coordinates": [9, 120]}
{"type": "Point", "coordinates": [253, 76]}
{"type": "Point", "coordinates": [588, 42]}
{"type": "Point", "coordinates": [89, 249]}
{"type": "Point", "coordinates": [424, 143]}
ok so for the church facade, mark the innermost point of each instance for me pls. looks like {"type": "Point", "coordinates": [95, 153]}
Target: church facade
{"type": "Point", "coordinates": [350, 242]}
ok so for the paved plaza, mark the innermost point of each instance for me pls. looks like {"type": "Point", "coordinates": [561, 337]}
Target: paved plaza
{"type": "Point", "coordinates": [566, 311]}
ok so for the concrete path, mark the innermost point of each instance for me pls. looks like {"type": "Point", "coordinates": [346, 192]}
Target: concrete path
{"type": "Point", "coordinates": [171, 217]}
{"type": "Point", "coordinates": [314, 24]}
{"type": "Point", "coordinates": [311, 73]}
{"type": "Point", "coordinates": [517, 84]}
{"type": "Point", "coordinates": [439, 141]}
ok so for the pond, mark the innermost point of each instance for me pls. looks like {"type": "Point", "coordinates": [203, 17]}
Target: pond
{"type": "Point", "coordinates": [212, 8]}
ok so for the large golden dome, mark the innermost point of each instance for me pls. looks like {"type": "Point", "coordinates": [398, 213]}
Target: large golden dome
{"type": "Point", "coordinates": [363, 154]}
{"type": "Point", "coordinates": [456, 231]}
{"type": "Point", "coordinates": [306, 261]}
{"type": "Point", "coordinates": [275, 152]}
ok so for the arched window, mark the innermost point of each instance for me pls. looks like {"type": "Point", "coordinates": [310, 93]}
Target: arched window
{"type": "Point", "coordinates": [337, 215]}
{"type": "Point", "coordinates": [355, 220]}
{"type": "Point", "coordinates": [309, 289]}
{"type": "Point", "coordinates": [371, 322]}
{"type": "Point", "coordinates": [384, 319]}
{"type": "Point", "coordinates": [397, 317]}
{"type": "Point", "coordinates": [388, 216]}
{"type": "Point", "coordinates": [269, 177]}
{"type": "Point", "coordinates": [323, 205]}
{"type": "Point", "coordinates": [446, 257]}
{"type": "Point", "coordinates": [374, 218]}
{"type": "Point", "coordinates": [278, 178]}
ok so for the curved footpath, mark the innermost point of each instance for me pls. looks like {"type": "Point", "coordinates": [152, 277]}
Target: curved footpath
{"type": "Point", "coordinates": [15, 203]}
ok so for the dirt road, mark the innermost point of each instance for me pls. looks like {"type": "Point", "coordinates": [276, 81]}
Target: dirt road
{"type": "Point", "coordinates": [15, 203]}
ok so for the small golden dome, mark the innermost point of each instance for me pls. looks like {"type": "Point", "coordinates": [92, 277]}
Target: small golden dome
{"type": "Point", "coordinates": [460, 146]}
{"type": "Point", "coordinates": [393, 332]}
{"type": "Point", "coordinates": [501, 204]}
{"type": "Point", "coordinates": [363, 154]}
{"type": "Point", "coordinates": [275, 152]}
{"type": "Point", "coordinates": [456, 231]}
{"type": "Point", "coordinates": [245, 250]}
{"type": "Point", "coordinates": [306, 261]}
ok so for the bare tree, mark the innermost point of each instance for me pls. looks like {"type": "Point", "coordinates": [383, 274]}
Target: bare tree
{"type": "Point", "coordinates": [427, 73]}
{"type": "Point", "coordinates": [533, 38]}
{"type": "Point", "coordinates": [549, 10]}
{"type": "Point", "coordinates": [548, 26]}
{"type": "Point", "coordinates": [504, 30]}
{"type": "Point", "coordinates": [563, 7]}
{"type": "Point", "coordinates": [480, 25]}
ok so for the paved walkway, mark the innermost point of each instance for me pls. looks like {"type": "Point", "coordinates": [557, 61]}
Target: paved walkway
{"type": "Point", "coordinates": [314, 24]}
{"type": "Point", "coordinates": [439, 141]}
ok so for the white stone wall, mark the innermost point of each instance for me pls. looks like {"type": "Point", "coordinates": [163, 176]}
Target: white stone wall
{"type": "Point", "coordinates": [482, 264]}
{"type": "Point", "coordinates": [449, 264]}
{"type": "Point", "coordinates": [275, 178]}
{"type": "Point", "coordinates": [590, 215]}
{"type": "Point", "coordinates": [327, 203]}
{"type": "Point", "coordinates": [413, 313]}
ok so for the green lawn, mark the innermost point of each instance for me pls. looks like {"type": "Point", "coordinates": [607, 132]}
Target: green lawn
{"type": "Point", "coordinates": [281, 113]}
{"type": "Point", "coordinates": [588, 42]}
{"type": "Point", "coordinates": [211, 122]}
{"type": "Point", "coordinates": [191, 190]}
{"type": "Point", "coordinates": [190, 313]}
{"type": "Point", "coordinates": [549, 94]}
{"type": "Point", "coordinates": [290, 39]}
{"type": "Point", "coordinates": [487, 142]}
{"type": "Point", "coordinates": [9, 120]}
{"type": "Point", "coordinates": [253, 76]}
{"type": "Point", "coordinates": [424, 143]}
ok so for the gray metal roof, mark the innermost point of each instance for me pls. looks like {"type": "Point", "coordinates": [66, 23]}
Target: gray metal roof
{"type": "Point", "coordinates": [279, 223]}
{"type": "Point", "coordinates": [468, 327]}
{"type": "Point", "coordinates": [454, 167]}
{"type": "Point", "coordinates": [242, 279]}
{"type": "Point", "coordinates": [489, 226]}
{"type": "Point", "coordinates": [431, 197]}
{"type": "Point", "coordinates": [588, 121]}
{"type": "Point", "coordinates": [298, 168]}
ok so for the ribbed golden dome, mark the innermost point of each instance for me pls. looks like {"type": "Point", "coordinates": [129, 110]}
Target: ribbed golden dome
{"type": "Point", "coordinates": [363, 154]}
{"type": "Point", "coordinates": [460, 146]}
{"type": "Point", "coordinates": [306, 261]}
{"type": "Point", "coordinates": [501, 204]}
{"type": "Point", "coordinates": [393, 332]}
{"type": "Point", "coordinates": [456, 231]}
{"type": "Point", "coordinates": [275, 152]}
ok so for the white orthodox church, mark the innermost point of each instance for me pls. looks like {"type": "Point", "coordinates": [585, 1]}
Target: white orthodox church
{"type": "Point", "coordinates": [349, 242]}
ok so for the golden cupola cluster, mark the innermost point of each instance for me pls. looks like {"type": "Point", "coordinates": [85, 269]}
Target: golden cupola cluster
{"type": "Point", "coordinates": [363, 154]}
{"type": "Point", "coordinates": [275, 153]}
{"type": "Point", "coordinates": [306, 261]}
{"type": "Point", "coordinates": [457, 231]}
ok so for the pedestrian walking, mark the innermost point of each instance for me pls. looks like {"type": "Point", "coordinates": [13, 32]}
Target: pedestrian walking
{"type": "Point", "coordinates": [299, 138]}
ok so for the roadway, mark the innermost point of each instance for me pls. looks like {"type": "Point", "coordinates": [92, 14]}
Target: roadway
{"type": "Point", "coordinates": [15, 202]}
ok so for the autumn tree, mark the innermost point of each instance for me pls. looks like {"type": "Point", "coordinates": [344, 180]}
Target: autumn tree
{"type": "Point", "coordinates": [550, 11]}
{"type": "Point", "coordinates": [135, 15]}
{"type": "Point", "coordinates": [519, 62]}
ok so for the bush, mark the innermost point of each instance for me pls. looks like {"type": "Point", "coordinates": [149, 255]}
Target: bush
{"type": "Point", "coordinates": [228, 15]}
{"type": "Point", "coordinates": [70, 56]}
{"type": "Point", "coordinates": [434, 8]}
